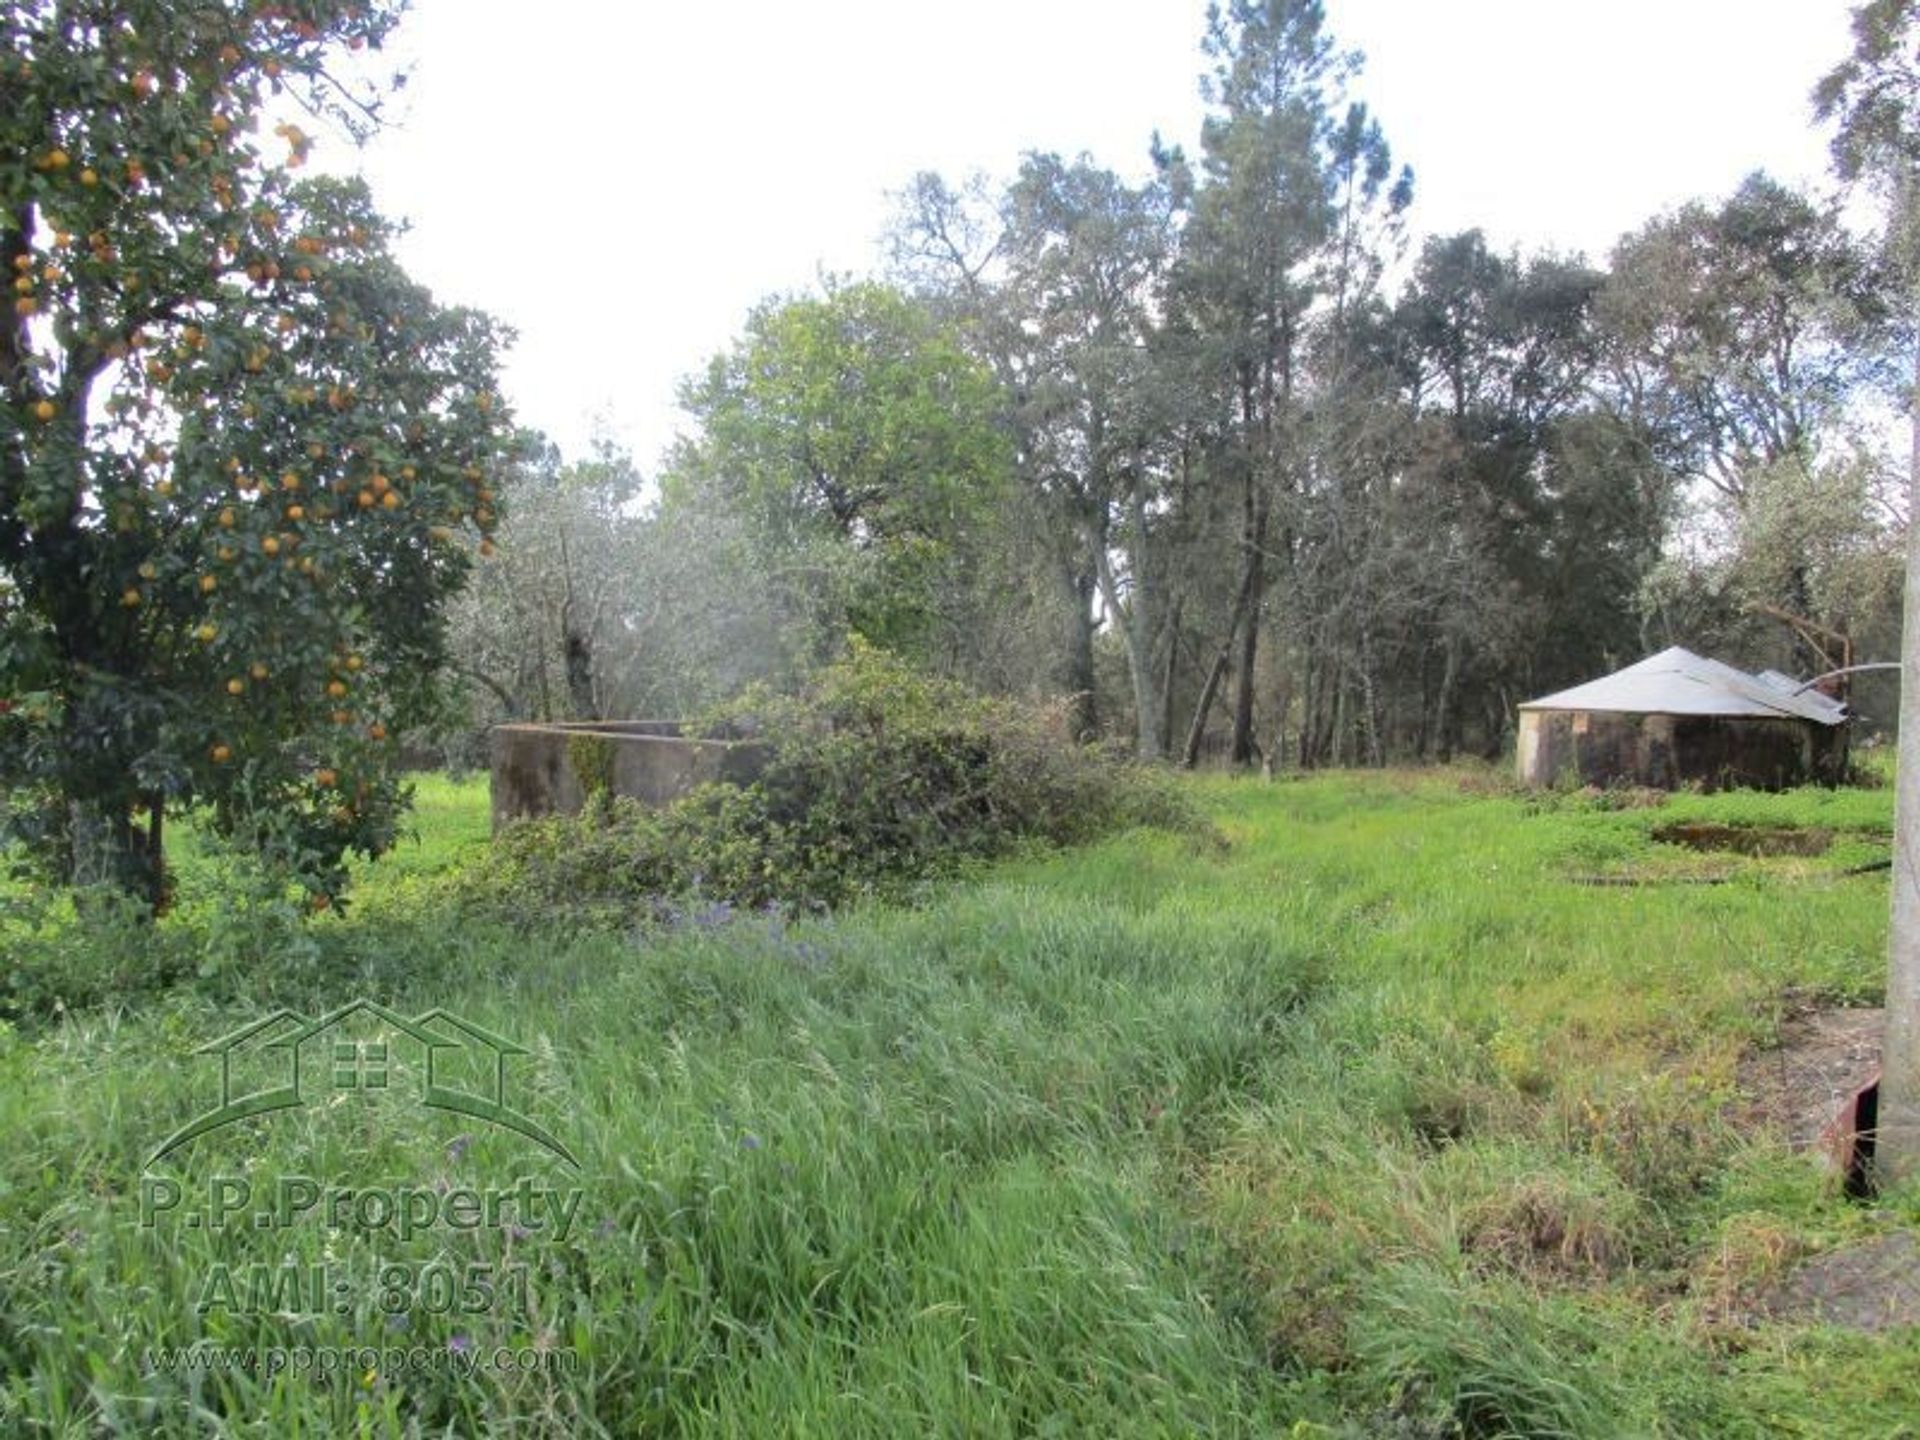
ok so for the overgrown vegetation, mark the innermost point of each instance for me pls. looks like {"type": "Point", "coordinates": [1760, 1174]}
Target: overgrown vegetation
{"type": "Point", "coordinates": [876, 778]}
{"type": "Point", "coordinates": [1371, 1120]}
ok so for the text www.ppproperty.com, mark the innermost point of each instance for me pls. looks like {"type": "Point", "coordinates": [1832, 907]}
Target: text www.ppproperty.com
{"type": "Point", "coordinates": [362, 1360]}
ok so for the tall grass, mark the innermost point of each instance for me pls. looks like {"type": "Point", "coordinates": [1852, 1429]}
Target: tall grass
{"type": "Point", "coordinates": [1372, 1120]}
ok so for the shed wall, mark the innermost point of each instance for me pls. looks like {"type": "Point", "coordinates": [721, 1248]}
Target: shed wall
{"type": "Point", "coordinates": [1668, 751]}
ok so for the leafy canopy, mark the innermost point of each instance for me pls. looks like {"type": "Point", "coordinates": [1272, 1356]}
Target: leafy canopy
{"type": "Point", "coordinates": [854, 428]}
{"type": "Point", "coordinates": [240, 451]}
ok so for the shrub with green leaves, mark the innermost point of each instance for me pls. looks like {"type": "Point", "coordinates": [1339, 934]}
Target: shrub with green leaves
{"type": "Point", "coordinates": [876, 777]}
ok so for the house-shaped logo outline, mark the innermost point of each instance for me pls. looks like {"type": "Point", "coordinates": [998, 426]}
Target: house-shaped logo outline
{"type": "Point", "coordinates": [285, 1031]}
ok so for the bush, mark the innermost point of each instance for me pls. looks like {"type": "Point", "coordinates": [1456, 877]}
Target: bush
{"type": "Point", "coordinates": [64, 950]}
{"type": "Point", "coordinates": [877, 777]}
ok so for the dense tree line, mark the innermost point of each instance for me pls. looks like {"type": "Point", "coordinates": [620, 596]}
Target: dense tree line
{"type": "Point", "coordinates": [1219, 459]}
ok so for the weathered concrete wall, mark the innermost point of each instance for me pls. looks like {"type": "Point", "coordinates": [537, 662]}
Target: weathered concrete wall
{"type": "Point", "coordinates": [1668, 751]}
{"type": "Point", "coordinates": [551, 769]}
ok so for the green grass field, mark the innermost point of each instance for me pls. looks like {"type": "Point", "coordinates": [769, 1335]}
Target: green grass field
{"type": "Point", "coordinates": [1404, 1105]}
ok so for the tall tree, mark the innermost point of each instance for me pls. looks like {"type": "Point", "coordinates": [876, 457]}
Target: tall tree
{"type": "Point", "coordinates": [859, 441]}
{"type": "Point", "coordinates": [1058, 289]}
{"type": "Point", "coordinates": [1273, 165]}
{"type": "Point", "coordinates": [235, 442]}
{"type": "Point", "coordinates": [1084, 255]}
{"type": "Point", "coordinates": [1743, 332]}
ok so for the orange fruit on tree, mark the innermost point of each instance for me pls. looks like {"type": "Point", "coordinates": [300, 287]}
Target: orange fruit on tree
{"type": "Point", "coordinates": [337, 689]}
{"type": "Point", "coordinates": [377, 731]}
{"type": "Point", "coordinates": [325, 778]}
{"type": "Point", "coordinates": [221, 754]}
{"type": "Point", "coordinates": [236, 686]}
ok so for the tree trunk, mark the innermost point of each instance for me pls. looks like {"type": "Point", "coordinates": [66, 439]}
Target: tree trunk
{"type": "Point", "coordinates": [1443, 707]}
{"type": "Point", "coordinates": [1132, 620]}
{"type": "Point", "coordinates": [576, 644]}
{"type": "Point", "coordinates": [1256, 540]}
{"type": "Point", "coordinates": [106, 850]}
{"type": "Point", "coordinates": [1897, 1146]}
{"type": "Point", "coordinates": [1076, 677]}
{"type": "Point", "coordinates": [1204, 707]}
{"type": "Point", "coordinates": [1197, 727]}
{"type": "Point", "coordinates": [1339, 721]}
{"type": "Point", "coordinates": [579, 660]}
{"type": "Point", "coordinates": [1370, 697]}
{"type": "Point", "coordinates": [1170, 668]}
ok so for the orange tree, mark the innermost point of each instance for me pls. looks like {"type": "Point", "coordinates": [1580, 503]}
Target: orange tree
{"type": "Point", "coordinates": [243, 459]}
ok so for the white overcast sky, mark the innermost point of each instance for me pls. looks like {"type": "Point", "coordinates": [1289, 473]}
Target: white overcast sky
{"type": "Point", "coordinates": [622, 181]}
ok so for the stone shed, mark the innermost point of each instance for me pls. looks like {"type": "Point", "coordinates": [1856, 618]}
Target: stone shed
{"type": "Point", "coordinates": [551, 768]}
{"type": "Point", "coordinates": [1677, 718]}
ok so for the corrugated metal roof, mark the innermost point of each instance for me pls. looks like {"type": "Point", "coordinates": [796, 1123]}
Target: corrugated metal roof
{"type": "Point", "coordinates": [1679, 682]}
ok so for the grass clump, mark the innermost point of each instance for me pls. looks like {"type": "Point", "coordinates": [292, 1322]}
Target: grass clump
{"type": "Point", "coordinates": [876, 778]}
{"type": "Point", "coordinates": [1375, 1121]}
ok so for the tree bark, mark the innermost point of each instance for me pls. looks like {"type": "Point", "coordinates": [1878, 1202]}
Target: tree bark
{"type": "Point", "coordinates": [579, 656]}
{"type": "Point", "coordinates": [106, 850]}
{"type": "Point", "coordinates": [1204, 706]}
{"type": "Point", "coordinates": [1243, 743]}
{"type": "Point", "coordinates": [1132, 620]}
{"type": "Point", "coordinates": [1897, 1146]}
{"type": "Point", "coordinates": [1169, 668]}
{"type": "Point", "coordinates": [1077, 679]}
{"type": "Point", "coordinates": [576, 645]}
{"type": "Point", "coordinates": [1197, 727]}
{"type": "Point", "coordinates": [1443, 708]}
